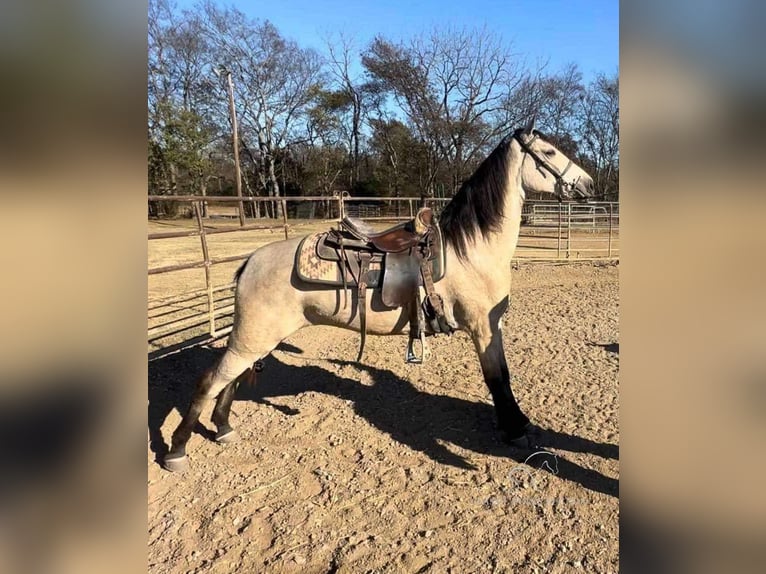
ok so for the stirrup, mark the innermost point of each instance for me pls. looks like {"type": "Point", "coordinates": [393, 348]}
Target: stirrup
{"type": "Point", "coordinates": [411, 357]}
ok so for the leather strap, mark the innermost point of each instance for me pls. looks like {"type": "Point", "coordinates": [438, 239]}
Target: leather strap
{"type": "Point", "coordinates": [541, 163]}
{"type": "Point", "coordinates": [417, 332]}
{"type": "Point", "coordinates": [364, 266]}
{"type": "Point", "coordinates": [429, 308]}
{"type": "Point", "coordinates": [433, 304]}
{"type": "Point", "coordinates": [343, 267]}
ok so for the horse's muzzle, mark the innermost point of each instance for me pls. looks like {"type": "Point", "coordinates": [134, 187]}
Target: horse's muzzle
{"type": "Point", "coordinates": [583, 189]}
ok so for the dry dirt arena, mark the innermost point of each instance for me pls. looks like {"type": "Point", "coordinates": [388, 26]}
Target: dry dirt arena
{"type": "Point", "coordinates": [388, 467]}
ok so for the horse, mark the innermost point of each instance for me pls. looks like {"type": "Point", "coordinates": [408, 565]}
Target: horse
{"type": "Point", "coordinates": [480, 229]}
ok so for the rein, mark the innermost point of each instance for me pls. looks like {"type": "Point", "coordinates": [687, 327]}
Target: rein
{"type": "Point", "coordinates": [561, 186]}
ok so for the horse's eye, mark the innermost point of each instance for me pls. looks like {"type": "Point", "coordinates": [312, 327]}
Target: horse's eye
{"type": "Point", "coordinates": [550, 152]}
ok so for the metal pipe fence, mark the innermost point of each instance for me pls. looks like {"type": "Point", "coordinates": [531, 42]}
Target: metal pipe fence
{"type": "Point", "coordinates": [179, 316]}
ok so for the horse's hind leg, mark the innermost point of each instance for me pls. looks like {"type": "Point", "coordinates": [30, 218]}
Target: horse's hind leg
{"type": "Point", "coordinates": [226, 434]}
{"type": "Point", "coordinates": [220, 378]}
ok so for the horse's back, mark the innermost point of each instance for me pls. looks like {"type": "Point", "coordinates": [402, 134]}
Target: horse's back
{"type": "Point", "coordinates": [269, 266]}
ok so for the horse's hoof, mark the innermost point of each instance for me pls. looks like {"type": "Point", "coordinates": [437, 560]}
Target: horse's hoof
{"type": "Point", "coordinates": [527, 441]}
{"type": "Point", "coordinates": [521, 442]}
{"type": "Point", "coordinates": [177, 464]}
{"type": "Point", "coordinates": [227, 436]}
{"type": "Point", "coordinates": [533, 433]}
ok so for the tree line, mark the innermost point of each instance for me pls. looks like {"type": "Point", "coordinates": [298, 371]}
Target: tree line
{"type": "Point", "coordinates": [384, 119]}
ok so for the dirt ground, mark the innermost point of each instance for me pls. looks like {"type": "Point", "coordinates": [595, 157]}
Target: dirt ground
{"type": "Point", "coordinates": [388, 467]}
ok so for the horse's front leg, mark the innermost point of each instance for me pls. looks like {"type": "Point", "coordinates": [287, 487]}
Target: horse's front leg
{"type": "Point", "coordinates": [513, 423]}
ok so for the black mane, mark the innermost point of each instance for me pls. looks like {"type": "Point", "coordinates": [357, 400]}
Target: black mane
{"type": "Point", "coordinates": [480, 202]}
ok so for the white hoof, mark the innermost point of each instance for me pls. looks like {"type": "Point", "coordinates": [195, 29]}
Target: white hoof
{"type": "Point", "coordinates": [227, 437]}
{"type": "Point", "coordinates": [178, 464]}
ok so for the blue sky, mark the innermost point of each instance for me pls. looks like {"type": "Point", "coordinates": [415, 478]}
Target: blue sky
{"type": "Point", "coordinates": [585, 32]}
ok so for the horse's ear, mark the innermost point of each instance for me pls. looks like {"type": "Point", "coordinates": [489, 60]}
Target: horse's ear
{"type": "Point", "coordinates": [531, 124]}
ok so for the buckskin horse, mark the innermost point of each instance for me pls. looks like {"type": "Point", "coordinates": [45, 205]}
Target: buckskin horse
{"type": "Point", "coordinates": [435, 276]}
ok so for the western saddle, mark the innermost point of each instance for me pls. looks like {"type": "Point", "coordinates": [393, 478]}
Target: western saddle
{"type": "Point", "coordinates": [398, 261]}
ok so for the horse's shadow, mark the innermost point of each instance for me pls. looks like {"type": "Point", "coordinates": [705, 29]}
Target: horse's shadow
{"type": "Point", "coordinates": [418, 419]}
{"type": "Point", "coordinates": [172, 379]}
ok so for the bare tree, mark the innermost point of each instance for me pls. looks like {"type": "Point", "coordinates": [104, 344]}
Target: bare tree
{"type": "Point", "coordinates": [353, 91]}
{"type": "Point", "coordinates": [452, 86]}
{"type": "Point", "coordinates": [401, 154]}
{"type": "Point", "coordinates": [182, 125]}
{"type": "Point", "coordinates": [600, 131]}
{"type": "Point", "coordinates": [327, 136]}
{"type": "Point", "coordinates": [276, 81]}
{"type": "Point", "coordinates": [422, 116]}
{"type": "Point", "coordinates": [560, 95]}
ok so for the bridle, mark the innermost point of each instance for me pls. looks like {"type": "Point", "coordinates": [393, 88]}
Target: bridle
{"type": "Point", "coordinates": [561, 188]}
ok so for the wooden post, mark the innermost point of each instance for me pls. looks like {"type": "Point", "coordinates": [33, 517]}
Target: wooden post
{"type": "Point", "coordinates": [569, 229]}
{"type": "Point", "coordinates": [203, 189]}
{"type": "Point", "coordinates": [284, 216]}
{"type": "Point", "coordinates": [208, 280]}
{"type": "Point", "coordinates": [411, 212]}
{"type": "Point", "coordinates": [235, 138]}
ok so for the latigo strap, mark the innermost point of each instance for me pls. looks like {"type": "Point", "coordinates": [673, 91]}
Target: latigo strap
{"type": "Point", "coordinates": [364, 267]}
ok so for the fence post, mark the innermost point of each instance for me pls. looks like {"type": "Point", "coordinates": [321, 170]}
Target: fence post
{"type": "Point", "coordinates": [611, 205]}
{"type": "Point", "coordinates": [569, 229]}
{"type": "Point", "coordinates": [235, 142]}
{"type": "Point", "coordinates": [206, 257]}
{"type": "Point", "coordinates": [558, 243]}
{"type": "Point", "coordinates": [284, 216]}
{"type": "Point", "coordinates": [411, 213]}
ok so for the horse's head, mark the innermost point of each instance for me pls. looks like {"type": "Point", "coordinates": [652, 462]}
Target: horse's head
{"type": "Point", "coordinates": [546, 169]}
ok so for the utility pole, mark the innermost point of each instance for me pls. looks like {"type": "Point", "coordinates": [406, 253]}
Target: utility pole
{"type": "Point", "coordinates": [235, 138]}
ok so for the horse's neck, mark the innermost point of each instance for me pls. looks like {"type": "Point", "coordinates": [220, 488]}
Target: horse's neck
{"type": "Point", "coordinates": [500, 246]}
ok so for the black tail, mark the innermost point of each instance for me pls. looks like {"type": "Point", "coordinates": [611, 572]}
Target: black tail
{"type": "Point", "coordinates": [240, 270]}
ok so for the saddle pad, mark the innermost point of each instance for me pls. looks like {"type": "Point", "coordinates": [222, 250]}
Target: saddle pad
{"type": "Point", "coordinates": [312, 269]}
